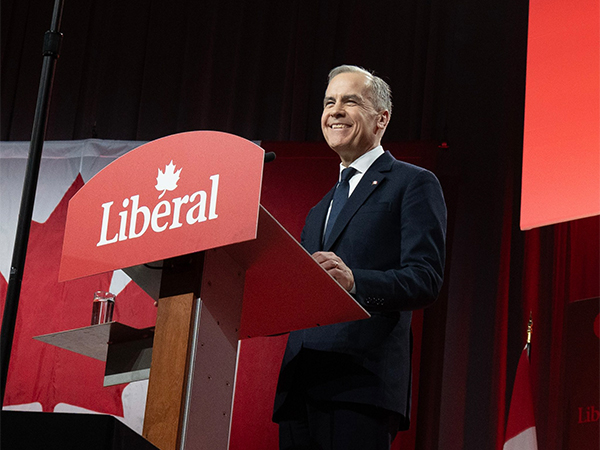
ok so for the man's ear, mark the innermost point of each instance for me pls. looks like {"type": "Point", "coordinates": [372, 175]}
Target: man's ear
{"type": "Point", "coordinates": [383, 119]}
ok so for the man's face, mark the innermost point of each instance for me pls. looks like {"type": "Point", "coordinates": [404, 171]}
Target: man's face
{"type": "Point", "coordinates": [350, 123]}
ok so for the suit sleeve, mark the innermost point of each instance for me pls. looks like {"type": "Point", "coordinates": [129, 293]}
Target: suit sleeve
{"type": "Point", "coordinates": [416, 277]}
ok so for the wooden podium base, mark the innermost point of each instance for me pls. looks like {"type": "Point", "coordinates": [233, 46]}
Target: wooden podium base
{"type": "Point", "coordinates": [192, 378]}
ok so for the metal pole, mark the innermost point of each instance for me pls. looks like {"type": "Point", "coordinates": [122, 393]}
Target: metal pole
{"type": "Point", "coordinates": [52, 41]}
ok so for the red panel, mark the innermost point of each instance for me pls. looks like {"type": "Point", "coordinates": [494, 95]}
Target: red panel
{"type": "Point", "coordinates": [561, 154]}
{"type": "Point", "coordinates": [286, 289]}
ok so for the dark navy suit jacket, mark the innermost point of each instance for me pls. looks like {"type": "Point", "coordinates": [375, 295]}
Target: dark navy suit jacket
{"type": "Point", "coordinates": [391, 234]}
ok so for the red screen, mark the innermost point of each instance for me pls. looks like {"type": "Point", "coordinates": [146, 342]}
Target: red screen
{"type": "Point", "coordinates": [561, 154]}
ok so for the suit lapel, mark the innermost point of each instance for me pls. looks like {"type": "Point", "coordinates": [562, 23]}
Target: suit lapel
{"type": "Point", "coordinates": [370, 181]}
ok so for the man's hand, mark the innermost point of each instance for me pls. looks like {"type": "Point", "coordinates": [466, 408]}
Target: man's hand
{"type": "Point", "coordinates": [334, 265]}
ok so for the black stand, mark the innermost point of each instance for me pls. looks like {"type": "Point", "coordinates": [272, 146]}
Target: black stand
{"type": "Point", "coordinates": [25, 430]}
{"type": "Point", "coordinates": [52, 40]}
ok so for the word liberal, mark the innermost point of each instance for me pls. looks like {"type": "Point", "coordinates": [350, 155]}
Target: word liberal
{"type": "Point", "coordinates": [135, 219]}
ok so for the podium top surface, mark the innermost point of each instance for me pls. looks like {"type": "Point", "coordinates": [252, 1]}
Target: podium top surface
{"type": "Point", "coordinates": [286, 289]}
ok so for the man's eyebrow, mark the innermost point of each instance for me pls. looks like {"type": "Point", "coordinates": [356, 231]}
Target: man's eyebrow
{"type": "Point", "coordinates": [345, 98]}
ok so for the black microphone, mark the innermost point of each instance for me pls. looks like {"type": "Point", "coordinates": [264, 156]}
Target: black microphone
{"type": "Point", "coordinates": [270, 156]}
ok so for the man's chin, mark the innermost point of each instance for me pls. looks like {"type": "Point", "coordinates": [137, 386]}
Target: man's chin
{"type": "Point", "coordinates": [346, 153]}
{"type": "Point", "coordinates": [340, 149]}
{"type": "Point", "coordinates": [339, 143]}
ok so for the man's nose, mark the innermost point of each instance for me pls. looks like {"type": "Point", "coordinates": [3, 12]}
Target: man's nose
{"type": "Point", "coordinates": [337, 110]}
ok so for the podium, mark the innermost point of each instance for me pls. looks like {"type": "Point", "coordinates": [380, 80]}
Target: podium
{"type": "Point", "coordinates": [220, 266]}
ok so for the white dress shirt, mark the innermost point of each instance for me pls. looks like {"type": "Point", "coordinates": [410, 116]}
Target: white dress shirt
{"type": "Point", "coordinates": [361, 165]}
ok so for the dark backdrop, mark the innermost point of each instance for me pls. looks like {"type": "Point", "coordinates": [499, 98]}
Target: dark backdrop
{"type": "Point", "coordinates": [142, 69]}
{"type": "Point", "coordinates": [139, 70]}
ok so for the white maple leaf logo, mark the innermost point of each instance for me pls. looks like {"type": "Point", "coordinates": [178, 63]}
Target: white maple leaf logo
{"type": "Point", "coordinates": [167, 181]}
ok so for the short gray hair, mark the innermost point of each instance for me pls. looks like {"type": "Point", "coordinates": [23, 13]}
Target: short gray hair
{"type": "Point", "coordinates": [380, 92]}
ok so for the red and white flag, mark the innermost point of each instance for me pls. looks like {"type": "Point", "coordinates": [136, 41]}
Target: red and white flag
{"type": "Point", "coordinates": [520, 429]}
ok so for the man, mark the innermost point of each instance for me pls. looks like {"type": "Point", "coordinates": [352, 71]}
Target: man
{"type": "Point", "coordinates": [381, 234]}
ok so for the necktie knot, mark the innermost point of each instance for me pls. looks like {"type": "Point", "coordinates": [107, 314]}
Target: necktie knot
{"type": "Point", "coordinates": [347, 174]}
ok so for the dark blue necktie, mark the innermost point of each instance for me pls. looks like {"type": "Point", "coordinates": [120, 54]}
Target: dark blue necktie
{"type": "Point", "coordinates": [340, 197]}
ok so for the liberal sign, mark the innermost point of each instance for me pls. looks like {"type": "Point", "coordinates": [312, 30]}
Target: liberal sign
{"type": "Point", "coordinates": [180, 194]}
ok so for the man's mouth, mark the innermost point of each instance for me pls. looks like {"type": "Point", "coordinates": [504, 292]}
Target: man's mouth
{"type": "Point", "coordinates": [339, 126]}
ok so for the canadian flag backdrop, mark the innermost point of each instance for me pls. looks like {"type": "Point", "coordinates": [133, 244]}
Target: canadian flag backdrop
{"type": "Point", "coordinates": [42, 377]}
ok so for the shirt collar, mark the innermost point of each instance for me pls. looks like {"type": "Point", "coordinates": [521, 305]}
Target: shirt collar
{"type": "Point", "coordinates": [363, 163]}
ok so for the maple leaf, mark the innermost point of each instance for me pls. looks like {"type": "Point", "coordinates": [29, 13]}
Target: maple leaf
{"type": "Point", "coordinates": [167, 181]}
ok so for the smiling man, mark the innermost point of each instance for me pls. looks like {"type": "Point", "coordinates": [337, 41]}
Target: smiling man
{"type": "Point", "coordinates": [353, 120]}
{"type": "Point", "coordinates": [380, 232]}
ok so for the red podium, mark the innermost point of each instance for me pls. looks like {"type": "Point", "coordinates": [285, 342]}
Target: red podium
{"type": "Point", "coordinates": [221, 267]}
